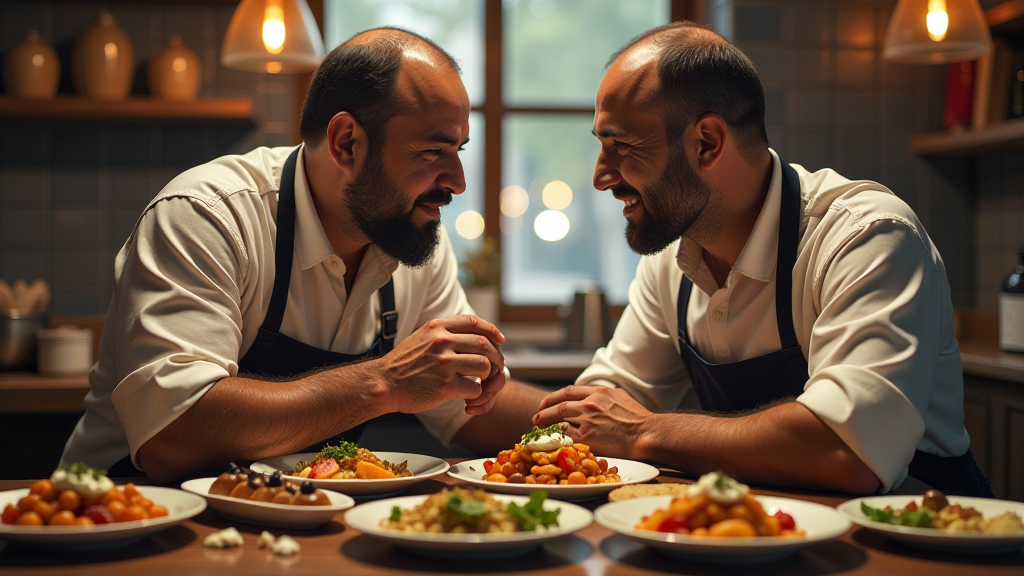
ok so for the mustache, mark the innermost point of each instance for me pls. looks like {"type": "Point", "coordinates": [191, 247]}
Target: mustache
{"type": "Point", "coordinates": [623, 190]}
{"type": "Point", "coordinates": [435, 196]}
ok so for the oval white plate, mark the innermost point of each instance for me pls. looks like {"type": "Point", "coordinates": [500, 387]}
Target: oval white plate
{"type": "Point", "coordinates": [367, 517]}
{"type": "Point", "coordinates": [820, 522]}
{"type": "Point", "coordinates": [630, 471]}
{"type": "Point", "coordinates": [422, 467]}
{"type": "Point", "coordinates": [264, 513]}
{"type": "Point", "coordinates": [180, 505]}
{"type": "Point", "coordinates": [934, 538]}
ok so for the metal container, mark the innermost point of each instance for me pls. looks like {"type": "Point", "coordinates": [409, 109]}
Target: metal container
{"type": "Point", "coordinates": [18, 339]}
{"type": "Point", "coordinates": [587, 320]}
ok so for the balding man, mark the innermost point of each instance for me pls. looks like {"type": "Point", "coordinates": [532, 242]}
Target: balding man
{"type": "Point", "coordinates": [810, 313]}
{"type": "Point", "coordinates": [268, 301]}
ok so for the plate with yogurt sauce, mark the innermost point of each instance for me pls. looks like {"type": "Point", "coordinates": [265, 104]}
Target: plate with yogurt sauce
{"type": "Point", "coordinates": [631, 472]}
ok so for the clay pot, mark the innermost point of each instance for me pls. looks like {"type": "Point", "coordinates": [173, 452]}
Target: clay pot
{"type": "Point", "coordinates": [175, 73]}
{"type": "Point", "coordinates": [102, 61]}
{"type": "Point", "coordinates": [32, 69]}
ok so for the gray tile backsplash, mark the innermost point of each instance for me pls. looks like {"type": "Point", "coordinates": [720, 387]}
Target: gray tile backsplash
{"type": "Point", "coordinates": [70, 192]}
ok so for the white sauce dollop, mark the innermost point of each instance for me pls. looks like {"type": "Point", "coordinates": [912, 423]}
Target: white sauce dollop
{"type": "Point", "coordinates": [548, 443]}
{"type": "Point", "coordinates": [85, 484]}
{"type": "Point", "coordinates": [226, 538]}
{"type": "Point", "coordinates": [719, 488]}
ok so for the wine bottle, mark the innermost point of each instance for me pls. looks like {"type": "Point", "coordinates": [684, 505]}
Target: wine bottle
{"type": "Point", "coordinates": [1011, 308]}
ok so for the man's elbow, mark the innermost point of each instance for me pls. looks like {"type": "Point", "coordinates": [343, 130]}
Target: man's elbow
{"type": "Point", "coordinates": [853, 476]}
{"type": "Point", "coordinates": [159, 460]}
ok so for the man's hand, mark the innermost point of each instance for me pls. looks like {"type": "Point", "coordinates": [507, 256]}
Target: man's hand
{"type": "Point", "coordinates": [608, 420]}
{"type": "Point", "coordinates": [455, 357]}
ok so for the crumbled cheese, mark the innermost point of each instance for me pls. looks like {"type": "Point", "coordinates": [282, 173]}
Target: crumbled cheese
{"type": "Point", "coordinates": [226, 538]}
{"type": "Point", "coordinates": [718, 487]}
{"type": "Point", "coordinates": [266, 539]}
{"type": "Point", "coordinates": [87, 485]}
{"type": "Point", "coordinates": [547, 443]}
{"type": "Point", "coordinates": [285, 546]}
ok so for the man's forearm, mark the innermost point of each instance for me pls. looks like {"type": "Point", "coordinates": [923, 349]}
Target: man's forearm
{"type": "Point", "coordinates": [242, 418]}
{"type": "Point", "coordinates": [501, 427]}
{"type": "Point", "coordinates": [786, 445]}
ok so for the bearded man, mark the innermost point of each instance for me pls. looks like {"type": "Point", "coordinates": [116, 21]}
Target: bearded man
{"type": "Point", "coordinates": [810, 314]}
{"type": "Point", "coordinates": [268, 301]}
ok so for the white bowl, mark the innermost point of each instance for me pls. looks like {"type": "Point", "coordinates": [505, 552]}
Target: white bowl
{"type": "Point", "coordinates": [267, 514]}
{"type": "Point", "coordinates": [422, 468]}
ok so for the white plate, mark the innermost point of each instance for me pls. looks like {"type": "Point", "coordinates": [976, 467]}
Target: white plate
{"type": "Point", "coordinates": [934, 538]}
{"type": "Point", "coordinates": [631, 472]}
{"type": "Point", "coordinates": [422, 467]}
{"type": "Point", "coordinates": [820, 522]}
{"type": "Point", "coordinates": [180, 507]}
{"type": "Point", "coordinates": [367, 517]}
{"type": "Point", "coordinates": [267, 514]}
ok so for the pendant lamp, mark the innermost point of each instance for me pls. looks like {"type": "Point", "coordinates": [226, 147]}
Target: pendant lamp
{"type": "Point", "coordinates": [936, 32]}
{"type": "Point", "coordinates": [272, 36]}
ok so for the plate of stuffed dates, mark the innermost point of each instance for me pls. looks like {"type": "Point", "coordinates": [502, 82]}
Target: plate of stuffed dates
{"type": "Point", "coordinates": [268, 500]}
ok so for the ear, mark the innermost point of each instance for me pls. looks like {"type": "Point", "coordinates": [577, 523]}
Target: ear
{"type": "Point", "coordinates": [710, 134]}
{"type": "Point", "coordinates": [346, 141]}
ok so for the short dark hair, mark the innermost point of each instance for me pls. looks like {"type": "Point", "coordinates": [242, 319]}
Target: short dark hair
{"type": "Point", "coordinates": [699, 72]}
{"type": "Point", "coordinates": [360, 79]}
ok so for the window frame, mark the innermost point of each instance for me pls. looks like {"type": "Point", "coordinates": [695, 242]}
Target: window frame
{"type": "Point", "coordinates": [494, 111]}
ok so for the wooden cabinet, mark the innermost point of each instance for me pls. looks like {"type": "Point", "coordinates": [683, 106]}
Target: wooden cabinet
{"type": "Point", "coordinates": [994, 416]}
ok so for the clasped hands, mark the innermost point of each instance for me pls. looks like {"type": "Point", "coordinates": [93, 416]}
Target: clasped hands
{"type": "Point", "coordinates": [608, 420]}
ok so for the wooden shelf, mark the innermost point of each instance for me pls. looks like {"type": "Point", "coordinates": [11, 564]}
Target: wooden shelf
{"type": "Point", "coordinates": [134, 108]}
{"type": "Point", "coordinates": [995, 138]}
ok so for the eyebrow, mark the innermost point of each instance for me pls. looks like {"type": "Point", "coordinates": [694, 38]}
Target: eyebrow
{"type": "Point", "coordinates": [608, 133]}
{"type": "Point", "coordinates": [445, 139]}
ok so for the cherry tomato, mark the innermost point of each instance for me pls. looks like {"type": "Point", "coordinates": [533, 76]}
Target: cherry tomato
{"type": "Point", "coordinates": [325, 468]}
{"type": "Point", "coordinates": [487, 466]}
{"type": "Point", "coordinates": [69, 500]}
{"type": "Point", "coordinates": [99, 514]}
{"type": "Point", "coordinates": [566, 462]}
{"type": "Point", "coordinates": [63, 518]}
{"type": "Point", "coordinates": [673, 524]}
{"type": "Point", "coordinates": [11, 513]}
{"type": "Point", "coordinates": [603, 465]}
{"type": "Point", "coordinates": [786, 521]}
{"type": "Point", "coordinates": [504, 457]}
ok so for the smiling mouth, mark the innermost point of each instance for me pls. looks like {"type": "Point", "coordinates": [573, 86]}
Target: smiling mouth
{"type": "Point", "coordinates": [630, 201]}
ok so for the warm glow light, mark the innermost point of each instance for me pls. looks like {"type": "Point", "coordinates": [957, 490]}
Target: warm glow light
{"type": "Point", "coordinates": [273, 67]}
{"type": "Point", "coordinates": [37, 59]}
{"type": "Point", "coordinates": [514, 201]}
{"type": "Point", "coordinates": [551, 225]}
{"type": "Point", "coordinates": [557, 195]}
{"type": "Point", "coordinates": [179, 64]}
{"type": "Point", "coordinates": [110, 50]}
{"type": "Point", "coordinates": [273, 26]}
{"type": "Point", "coordinates": [937, 20]}
{"type": "Point", "coordinates": [469, 224]}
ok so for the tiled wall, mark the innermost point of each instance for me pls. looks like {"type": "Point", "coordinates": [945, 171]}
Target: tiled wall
{"type": "Point", "coordinates": [70, 192]}
{"type": "Point", "coordinates": [1000, 222]}
{"type": "Point", "coordinates": [832, 101]}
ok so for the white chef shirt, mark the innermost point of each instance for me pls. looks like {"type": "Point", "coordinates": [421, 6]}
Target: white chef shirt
{"type": "Point", "coordinates": [871, 310]}
{"type": "Point", "coordinates": [193, 283]}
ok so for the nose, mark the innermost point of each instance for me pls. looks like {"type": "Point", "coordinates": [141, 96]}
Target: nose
{"type": "Point", "coordinates": [606, 173]}
{"type": "Point", "coordinates": [452, 176]}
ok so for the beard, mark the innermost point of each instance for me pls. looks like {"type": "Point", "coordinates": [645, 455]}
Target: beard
{"type": "Point", "coordinates": [675, 205]}
{"type": "Point", "coordinates": [377, 206]}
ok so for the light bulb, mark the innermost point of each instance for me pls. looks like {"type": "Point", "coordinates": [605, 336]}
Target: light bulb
{"type": "Point", "coordinates": [273, 27]}
{"type": "Point", "coordinates": [937, 20]}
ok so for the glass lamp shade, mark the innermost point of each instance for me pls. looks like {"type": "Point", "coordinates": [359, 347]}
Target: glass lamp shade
{"type": "Point", "coordinates": [272, 36]}
{"type": "Point", "coordinates": [936, 32]}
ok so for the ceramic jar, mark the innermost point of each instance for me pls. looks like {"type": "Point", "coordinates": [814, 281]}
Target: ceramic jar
{"type": "Point", "coordinates": [102, 61]}
{"type": "Point", "coordinates": [64, 351]}
{"type": "Point", "coordinates": [175, 73]}
{"type": "Point", "coordinates": [32, 69]}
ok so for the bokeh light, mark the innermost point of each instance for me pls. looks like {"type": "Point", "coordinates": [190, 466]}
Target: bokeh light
{"type": "Point", "coordinates": [469, 224]}
{"type": "Point", "coordinates": [514, 201]}
{"type": "Point", "coordinates": [557, 195]}
{"type": "Point", "coordinates": [551, 225]}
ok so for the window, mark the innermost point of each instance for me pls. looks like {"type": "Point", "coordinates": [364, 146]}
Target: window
{"type": "Point", "coordinates": [531, 158]}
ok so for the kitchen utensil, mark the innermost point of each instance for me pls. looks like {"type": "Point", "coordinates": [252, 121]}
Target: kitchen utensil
{"type": "Point", "coordinates": [587, 319]}
{"type": "Point", "coordinates": [18, 338]}
{"type": "Point", "coordinates": [64, 351]}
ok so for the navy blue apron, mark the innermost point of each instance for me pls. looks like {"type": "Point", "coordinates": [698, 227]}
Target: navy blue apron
{"type": "Point", "coordinates": [749, 384]}
{"type": "Point", "coordinates": [276, 356]}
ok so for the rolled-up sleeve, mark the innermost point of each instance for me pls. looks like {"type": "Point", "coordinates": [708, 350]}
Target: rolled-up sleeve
{"type": "Point", "coordinates": [873, 347]}
{"type": "Point", "coordinates": [178, 316]}
{"type": "Point", "coordinates": [643, 356]}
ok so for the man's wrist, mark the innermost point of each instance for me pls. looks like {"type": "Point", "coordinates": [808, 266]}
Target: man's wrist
{"type": "Point", "coordinates": [649, 438]}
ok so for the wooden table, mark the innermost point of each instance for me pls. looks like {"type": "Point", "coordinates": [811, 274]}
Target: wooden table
{"type": "Point", "coordinates": [336, 549]}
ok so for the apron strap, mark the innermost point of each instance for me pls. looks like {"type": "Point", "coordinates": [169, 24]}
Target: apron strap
{"type": "Point", "coordinates": [285, 246]}
{"type": "Point", "coordinates": [388, 316]}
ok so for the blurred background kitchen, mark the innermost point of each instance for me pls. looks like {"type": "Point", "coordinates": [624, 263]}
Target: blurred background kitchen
{"type": "Point", "coordinates": [77, 170]}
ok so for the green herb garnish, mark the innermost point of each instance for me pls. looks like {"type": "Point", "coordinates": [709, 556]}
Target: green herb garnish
{"type": "Point", "coordinates": [877, 515]}
{"type": "Point", "coordinates": [343, 450]}
{"type": "Point", "coordinates": [81, 469]}
{"type": "Point", "coordinates": [466, 507]}
{"type": "Point", "coordinates": [722, 481]}
{"type": "Point", "coordinates": [396, 513]}
{"type": "Point", "coordinates": [533, 514]}
{"type": "Point", "coordinates": [538, 432]}
{"type": "Point", "coordinates": [920, 518]}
